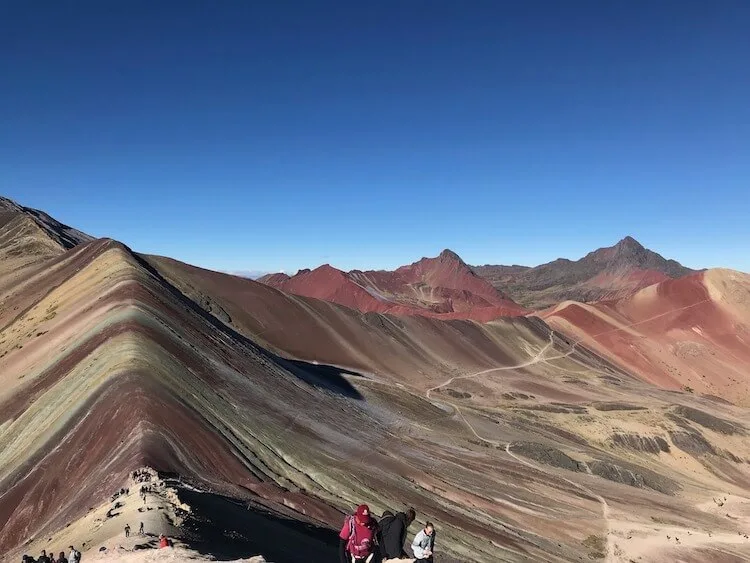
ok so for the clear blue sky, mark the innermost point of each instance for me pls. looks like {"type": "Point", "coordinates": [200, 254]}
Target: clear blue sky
{"type": "Point", "coordinates": [277, 135]}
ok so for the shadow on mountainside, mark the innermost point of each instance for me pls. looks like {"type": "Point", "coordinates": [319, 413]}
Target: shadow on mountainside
{"type": "Point", "coordinates": [228, 530]}
{"type": "Point", "coordinates": [324, 377]}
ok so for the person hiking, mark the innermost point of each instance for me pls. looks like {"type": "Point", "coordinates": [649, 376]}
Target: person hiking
{"type": "Point", "coordinates": [52, 559]}
{"type": "Point", "coordinates": [75, 555]}
{"type": "Point", "coordinates": [424, 544]}
{"type": "Point", "coordinates": [140, 529]}
{"type": "Point", "coordinates": [393, 531]}
{"type": "Point", "coordinates": [163, 541]}
{"type": "Point", "coordinates": [61, 558]}
{"type": "Point", "coordinates": [357, 537]}
{"type": "Point", "coordinates": [43, 558]}
{"type": "Point", "coordinates": [127, 530]}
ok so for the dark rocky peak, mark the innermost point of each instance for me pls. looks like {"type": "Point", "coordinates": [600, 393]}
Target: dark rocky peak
{"type": "Point", "coordinates": [448, 255]}
{"type": "Point", "coordinates": [629, 245]}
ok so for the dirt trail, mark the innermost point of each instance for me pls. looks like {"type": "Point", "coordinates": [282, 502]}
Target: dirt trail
{"type": "Point", "coordinates": [536, 359]}
{"type": "Point", "coordinates": [610, 557]}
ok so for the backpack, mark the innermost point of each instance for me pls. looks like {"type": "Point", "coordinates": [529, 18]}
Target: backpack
{"type": "Point", "coordinates": [361, 539]}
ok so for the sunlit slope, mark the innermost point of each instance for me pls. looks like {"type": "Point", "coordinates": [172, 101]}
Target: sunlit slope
{"type": "Point", "coordinates": [107, 368]}
{"type": "Point", "coordinates": [691, 333]}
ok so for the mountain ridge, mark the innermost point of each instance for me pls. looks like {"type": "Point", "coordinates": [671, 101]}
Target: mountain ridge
{"type": "Point", "coordinates": [443, 286]}
{"type": "Point", "coordinates": [63, 235]}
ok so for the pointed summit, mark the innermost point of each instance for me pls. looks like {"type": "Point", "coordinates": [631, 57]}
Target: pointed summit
{"type": "Point", "coordinates": [629, 243]}
{"type": "Point", "coordinates": [449, 255]}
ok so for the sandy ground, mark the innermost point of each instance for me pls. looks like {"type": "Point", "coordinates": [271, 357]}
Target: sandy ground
{"type": "Point", "coordinates": [661, 542]}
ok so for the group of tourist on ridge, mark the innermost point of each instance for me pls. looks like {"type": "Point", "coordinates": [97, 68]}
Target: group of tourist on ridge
{"type": "Point", "coordinates": [365, 540]}
{"type": "Point", "coordinates": [74, 557]}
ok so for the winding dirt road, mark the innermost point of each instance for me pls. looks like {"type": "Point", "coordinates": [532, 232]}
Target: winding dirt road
{"type": "Point", "coordinates": [540, 357]}
{"type": "Point", "coordinates": [536, 359]}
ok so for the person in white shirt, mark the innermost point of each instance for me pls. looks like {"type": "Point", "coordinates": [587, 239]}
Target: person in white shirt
{"type": "Point", "coordinates": [424, 544]}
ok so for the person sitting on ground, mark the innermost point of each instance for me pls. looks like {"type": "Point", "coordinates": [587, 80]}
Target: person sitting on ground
{"type": "Point", "coordinates": [357, 537]}
{"type": "Point", "coordinates": [424, 544]}
{"type": "Point", "coordinates": [393, 531]}
{"type": "Point", "coordinates": [75, 555]}
{"type": "Point", "coordinates": [61, 558]}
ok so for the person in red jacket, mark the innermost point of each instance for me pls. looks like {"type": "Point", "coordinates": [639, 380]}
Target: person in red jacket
{"type": "Point", "coordinates": [163, 541]}
{"type": "Point", "coordinates": [357, 537]}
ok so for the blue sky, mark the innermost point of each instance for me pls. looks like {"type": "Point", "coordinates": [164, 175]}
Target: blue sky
{"type": "Point", "coordinates": [279, 135]}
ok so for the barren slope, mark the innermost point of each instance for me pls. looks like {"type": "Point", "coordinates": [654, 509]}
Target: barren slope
{"type": "Point", "coordinates": [691, 333]}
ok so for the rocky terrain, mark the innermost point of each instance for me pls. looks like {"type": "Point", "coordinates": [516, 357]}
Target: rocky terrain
{"type": "Point", "coordinates": [614, 431]}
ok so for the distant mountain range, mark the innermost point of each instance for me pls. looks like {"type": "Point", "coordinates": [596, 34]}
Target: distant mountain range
{"type": "Point", "coordinates": [443, 287]}
{"type": "Point", "coordinates": [447, 287]}
{"type": "Point", "coordinates": [607, 273]}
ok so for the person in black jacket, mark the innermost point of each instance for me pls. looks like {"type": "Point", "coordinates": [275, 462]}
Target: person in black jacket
{"type": "Point", "coordinates": [393, 533]}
